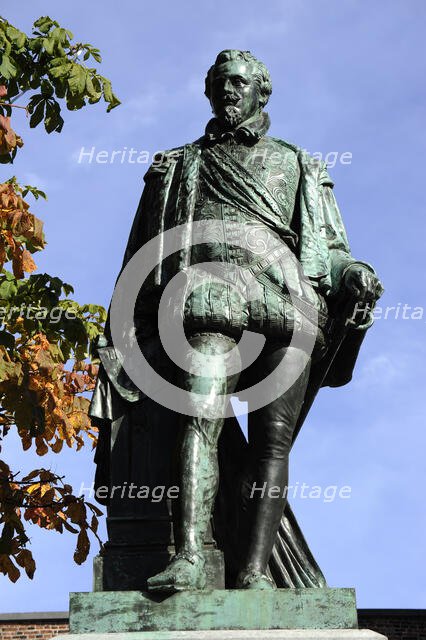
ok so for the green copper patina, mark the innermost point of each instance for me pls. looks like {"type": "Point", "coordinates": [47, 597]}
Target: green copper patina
{"type": "Point", "coordinates": [234, 173]}
{"type": "Point", "coordinates": [132, 611]}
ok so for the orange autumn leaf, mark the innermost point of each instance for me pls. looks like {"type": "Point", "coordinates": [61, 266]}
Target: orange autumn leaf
{"type": "Point", "coordinates": [25, 560]}
{"type": "Point", "coordinates": [18, 226]}
{"type": "Point", "coordinates": [38, 395]}
{"type": "Point", "coordinates": [9, 140]}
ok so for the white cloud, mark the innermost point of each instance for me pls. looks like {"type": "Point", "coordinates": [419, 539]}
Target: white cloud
{"type": "Point", "coordinates": [381, 370]}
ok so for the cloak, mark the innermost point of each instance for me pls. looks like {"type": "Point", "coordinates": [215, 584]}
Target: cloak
{"type": "Point", "coordinates": [168, 200]}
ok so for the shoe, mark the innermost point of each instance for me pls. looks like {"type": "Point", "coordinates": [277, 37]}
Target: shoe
{"type": "Point", "coordinates": [184, 573]}
{"type": "Point", "coordinates": [254, 579]}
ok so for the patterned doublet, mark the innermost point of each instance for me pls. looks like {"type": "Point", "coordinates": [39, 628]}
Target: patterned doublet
{"type": "Point", "coordinates": [251, 189]}
{"type": "Point", "coordinates": [274, 166]}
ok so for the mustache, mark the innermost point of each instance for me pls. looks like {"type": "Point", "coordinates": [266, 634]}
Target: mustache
{"type": "Point", "coordinates": [230, 99]}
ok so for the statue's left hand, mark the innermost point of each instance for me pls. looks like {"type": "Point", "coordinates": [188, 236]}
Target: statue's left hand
{"type": "Point", "coordinates": [363, 284]}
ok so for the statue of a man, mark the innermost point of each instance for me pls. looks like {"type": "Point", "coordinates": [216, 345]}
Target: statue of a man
{"type": "Point", "coordinates": [236, 174]}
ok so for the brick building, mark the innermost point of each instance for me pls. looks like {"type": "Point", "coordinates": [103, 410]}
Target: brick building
{"type": "Point", "coordinates": [33, 626]}
{"type": "Point", "coordinates": [396, 624]}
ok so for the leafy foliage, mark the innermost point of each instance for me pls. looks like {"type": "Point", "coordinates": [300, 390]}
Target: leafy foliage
{"type": "Point", "coordinates": [48, 64]}
{"type": "Point", "coordinates": [21, 233]}
{"type": "Point", "coordinates": [46, 501]}
{"type": "Point", "coordinates": [46, 368]}
{"type": "Point", "coordinates": [9, 140]}
{"type": "Point", "coordinates": [40, 332]}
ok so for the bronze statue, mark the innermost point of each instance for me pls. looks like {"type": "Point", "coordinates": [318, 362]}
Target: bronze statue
{"type": "Point", "coordinates": [234, 174]}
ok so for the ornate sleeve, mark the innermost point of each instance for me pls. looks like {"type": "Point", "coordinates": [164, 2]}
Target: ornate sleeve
{"type": "Point", "coordinates": [334, 232]}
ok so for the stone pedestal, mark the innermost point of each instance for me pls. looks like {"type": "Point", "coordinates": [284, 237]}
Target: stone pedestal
{"type": "Point", "coordinates": [236, 609]}
{"type": "Point", "coordinates": [248, 634]}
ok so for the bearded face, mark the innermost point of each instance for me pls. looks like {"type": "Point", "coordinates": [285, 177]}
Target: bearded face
{"type": "Point", "coordinates": [234, 93]}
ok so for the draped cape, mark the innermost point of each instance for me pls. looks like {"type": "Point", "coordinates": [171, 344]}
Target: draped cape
{"type": "Point", "coordinates": [168, 200]}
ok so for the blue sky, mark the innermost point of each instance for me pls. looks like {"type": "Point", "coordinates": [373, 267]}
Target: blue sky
{"type": "Point", "coordinates": [348, 76]}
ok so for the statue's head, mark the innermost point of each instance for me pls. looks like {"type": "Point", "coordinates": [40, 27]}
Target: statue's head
{"type": "Point", "coordinates": [238, 86]}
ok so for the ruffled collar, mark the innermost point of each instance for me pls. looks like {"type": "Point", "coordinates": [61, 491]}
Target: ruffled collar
{"type": "Point", "coordinates": [249, 132]}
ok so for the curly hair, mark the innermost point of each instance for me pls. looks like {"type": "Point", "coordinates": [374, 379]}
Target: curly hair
{"type": "Point", "coordinates": [261, 73]}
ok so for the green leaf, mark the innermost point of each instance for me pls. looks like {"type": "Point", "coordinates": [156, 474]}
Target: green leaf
{"type": "Point", "coordinates": [34, 101]}
{"type": "Point", "coordinates": [96, 94]}
{"type": "Point", "coordinates": [38, 114]}
{"type": "Point", "coordinates": [74, 102]}
{"type": "Point", "coordinates": [92, 308]}
{"type": "Point", "coordinates": [57, 62]}
{"type": "Point", "coordinates": [53, 123]}
{"type": "Point", "coordinates": [93, 89]}
{"type": "Point", "coordinates": [44, 24]}
{"type": "Point", "coordinates": [56, 284]}
{"type": "Point", "coordinates": [48, 45]}
{"type": "Point", "coordinates": [37, 193]}
{"type": "Point", "coordinates": [34, 81]}
{"type": "Point", "coordinates": [16, 36]}
{"type": "Point", "coordinates": [60, 87]}
{"type": "Point", "coordinates": [60, 70]}
{"type": "Point", "coordinates": [109, 96]}
{"type": "Point", "coordinates": [7, 68]}
{"type": "Point", "coordinates": [77, 79]}
{"type": "Point", "coordinates": [35, 44]}
{"type": "Point", "coordinates": [113, 103]}
{"type": "Point", "coordinates": [107, 88]}
{"type": "Point", "coordinates": [67, 288]}
{"type": "Point", "coordinates": [46, 88]}
{"type": "Point", "coordinates": [8, 289]}
{"type": "Point", "coordinates": [60, 36]}
{"type": "Point", "coordinates": [92, 51]}
{"type": "Point", "coordinates": [53, 120]}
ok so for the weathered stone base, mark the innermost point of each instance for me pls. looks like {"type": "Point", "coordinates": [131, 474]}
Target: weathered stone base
{"type": "Point", "coordinates": [129, 611]}
{"type": "Point", "coordinates": [249, 634]}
